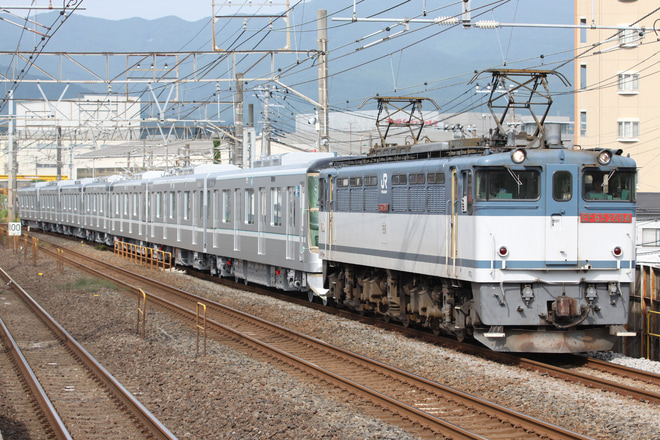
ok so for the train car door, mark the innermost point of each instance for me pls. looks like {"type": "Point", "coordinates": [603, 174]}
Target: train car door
{"type": "Point", "coordinates": [290, 222]}
{"type": "Point", "coordinates": [325, 191]}
{"type": "Point", "coordinates": [261, 222]}
{"type": "Point", "coordinates": [561, 215]}
{"type": "Point", "coordinates": [237, 219]}
{"type": "Point", "coordinates": [453, 224]}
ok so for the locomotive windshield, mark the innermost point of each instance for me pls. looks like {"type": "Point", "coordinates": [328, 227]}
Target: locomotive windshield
{"type": "Point", "coordinates": [508, 184]}
{"type": "Point", "coordinates": [608, 185]}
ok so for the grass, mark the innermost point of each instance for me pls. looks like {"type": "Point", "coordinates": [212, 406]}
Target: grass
{"type": "Point", "coordinates": [92, 285]}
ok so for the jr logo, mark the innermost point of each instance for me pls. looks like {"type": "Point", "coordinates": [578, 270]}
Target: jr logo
{"type": "Point", "coordinates": [383, 183]}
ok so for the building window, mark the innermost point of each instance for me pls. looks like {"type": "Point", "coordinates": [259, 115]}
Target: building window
{"type": "Point", "coordinates": [650, 237]}
{"type": "Point", "coordinates": [628, 131]}
{"type": "Point", "coordinates": [629, 37]}
{"type": "Point", "coordinates": [583, 123]}
{"type": "Point", "coordinates": [628, 82]}
{"type": "Point", "coordinates": [583, 76]}
{"type": "Point", "coordinates": [583, 30]}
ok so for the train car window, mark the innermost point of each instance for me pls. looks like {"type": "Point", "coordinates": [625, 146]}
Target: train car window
{"type": "Point", "coordinates": [172, 204]}
{"type": "Point", "coordinates": [610, 185]}
{"type": "Point", "coordinates": [342, 183]}
{"type": "Point", "coordinates": [159, 205]}
{"type": "Point", "coordinates": [249, 206]}
{"type": "Point", "coordinates": [276, 207]}
{"type": "Point", "coordinates": [435, 178]}
{"type": "Point", "coordinates": [562, 182]}
{"type": "Point", "coordinates": [467, 202]}
{"type": "Point", "coordinates": [356, 181]}
{"type": "Point", "coordinates": [322, 195]}
{"type": "Point", "coordinates": [399, 179]}
{"type": "Point", "coordinates": [370, 181]}
{"type": "Point", "coordinates": [505, 184]}
{"type": "Point", "coordinates": [416, 179]}
{"type": "Point", "coordinates": [186, 205]}
{"type": "Point", "coordinates": [226, 206]}
{"type": "Point", "coordinates": [116, 204]}
{"type": "Point", "coordinates": [135, 204]}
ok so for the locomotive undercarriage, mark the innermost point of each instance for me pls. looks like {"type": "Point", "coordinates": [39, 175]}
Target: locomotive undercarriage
{"type": "Point", "coordinates": [442, 305]}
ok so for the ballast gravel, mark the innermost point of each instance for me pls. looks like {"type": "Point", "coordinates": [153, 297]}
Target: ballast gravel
{"type": "Point", "coordinates": [229, 395]}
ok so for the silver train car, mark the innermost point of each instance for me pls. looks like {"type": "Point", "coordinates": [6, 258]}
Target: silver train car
{"type": "Point", "coordinates": [257, 225]}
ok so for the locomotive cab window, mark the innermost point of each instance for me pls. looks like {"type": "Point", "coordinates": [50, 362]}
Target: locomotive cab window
{"type": "Point", "coordinates": [608, 185]}
{"type": "Point", "coordinates": [562, 182]}
{"type": "Point", "coordinates": [507, 184]}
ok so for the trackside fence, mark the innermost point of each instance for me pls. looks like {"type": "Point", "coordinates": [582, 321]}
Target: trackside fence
{"type": "Point", "coordinates": [144, 256]}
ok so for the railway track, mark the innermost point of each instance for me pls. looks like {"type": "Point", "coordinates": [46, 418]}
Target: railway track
{"type": "Point", "coordinates": [77, 396]}
{"type": "Point", "coordinates": [421, 406]}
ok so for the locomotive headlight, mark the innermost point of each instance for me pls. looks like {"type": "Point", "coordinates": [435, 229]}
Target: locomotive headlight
{"type": "Point", "coordinates": [519, 155]}
{"type": "Point", "coordinates": [617, 251]}
{"type": "Point", "coordinates": [604, 157]}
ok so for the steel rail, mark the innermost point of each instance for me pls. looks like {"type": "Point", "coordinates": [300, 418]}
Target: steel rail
{"type": "Point", "coordinates": [622, 370]}
{"type": "Point", "coordinates": [408, 411]}
{"type": "Point", "coordinates": [604, 384]}
{"type": "Point", "coordinates": [45, 405]}
{"type": "Point", "coordinates": [136, 408]}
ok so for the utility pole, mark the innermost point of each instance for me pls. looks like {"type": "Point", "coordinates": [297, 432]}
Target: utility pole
{"type": "Point", "coordinates": [248, 139]}
{"type": "Point", "coordinates": [265, 134]}
{"type": "Point", "coordinates": [322, 32]}
{"type": "Point", "coordinates": [59, 152]}
{"type": "Point", "coordinates": [11, 187]}
{"type": "Point", "coordinates": [238, 121]}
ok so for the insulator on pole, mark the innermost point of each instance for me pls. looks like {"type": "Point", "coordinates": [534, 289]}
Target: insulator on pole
{"type": "Point", "coordinates": [447, 21]}
{"type": "Point", "coordinates": [487, 24]}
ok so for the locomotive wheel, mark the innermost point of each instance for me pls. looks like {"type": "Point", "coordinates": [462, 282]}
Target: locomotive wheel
{"type": "Point", "coordinates": [405, 321]}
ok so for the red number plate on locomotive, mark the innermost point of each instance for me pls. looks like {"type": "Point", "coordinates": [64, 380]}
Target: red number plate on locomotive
{"type": "Point", "coordinates": [601, 217]}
